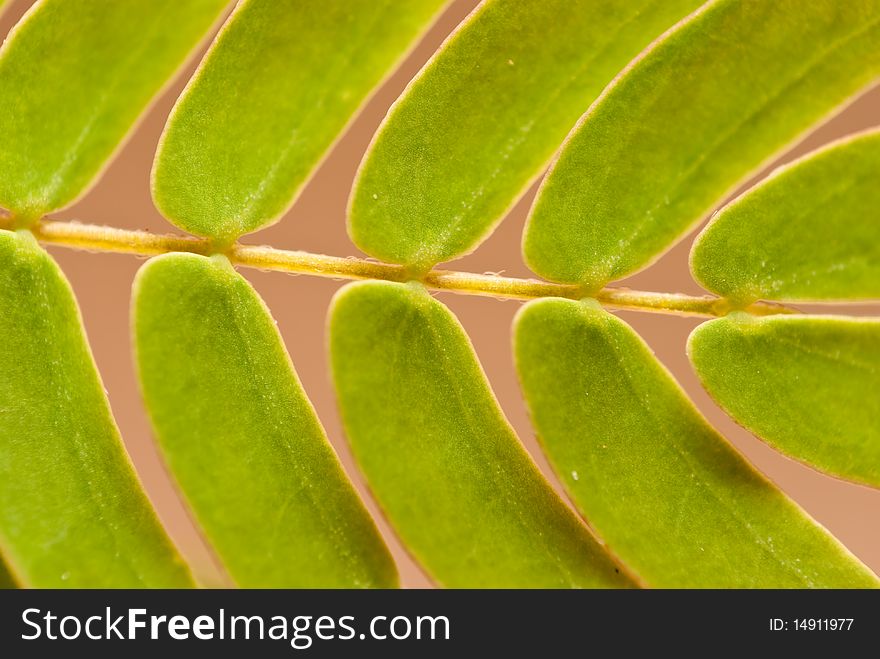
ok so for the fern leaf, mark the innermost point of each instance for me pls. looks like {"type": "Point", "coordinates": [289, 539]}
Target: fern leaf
{"type": "Point", "coordinates": [809, 232]}
{"type": "Point", "coordinates": [484, 116]}
{"type": "Point", "coordinates": [808, 385]}
{"type": "Point", "coordinates": [667, 493]}
{"type": "Point", "coordinates": [240, 436]}
{"type": "Point", "coordinates": [72, 513]}
{"type": "Point", "coordinates": [440, 457]}
{"type": "Point", "coordinates": [75, 75]}
{"type": "Point", "coordinates": [689, 119]}
{"type": "Point", "coordinates": [279, 84]}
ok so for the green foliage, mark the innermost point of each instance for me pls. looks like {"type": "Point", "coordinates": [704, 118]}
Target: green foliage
{"type": "Point", "coordinates": [240, 436]}
{"type": "Point", "coordinates": [440, 457]}
{"type": "Point", "coordinates": [809, 232]}
{"type": "Point", "coordinates": [686, 121]}
{"type": "Point", "coordinates": [74, 77]}
{"type": "Point", "coordinates": [72, 513]}
{"type": "Point", "coordinates": [808, 385]}
{"type": "Point", "coordinates": [667, 493]}
{"type": "Point", "coordinates": [279, 84]}
{"type": "Point", "coordinates": [484, 116]}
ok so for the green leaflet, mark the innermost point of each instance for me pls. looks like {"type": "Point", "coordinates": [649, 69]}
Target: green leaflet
{"type": "Point", "coordinates": [72, 513]}
{"type": "Point", "coordinates": [240, 436]}
{"type": "Point", "coordinates": [279, 84]}
{"type": "Point", "coordinates": [689, 119]}
{"type": "Point", "coordinates": [667, 493]}
{"type": "Point", "coordinates": [808, 385]}
{"type": "Point", "coordinates": [484, 116]}
{"type": "Point", "coordinates": [809, 232]}
{"type": "Point", "coordinates": [440, 457]}
{"type": "Point", "coordinates": [74, 77]}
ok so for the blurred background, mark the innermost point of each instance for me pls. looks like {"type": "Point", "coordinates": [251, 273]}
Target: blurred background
{"type": "Point", "coordinates": [299, 303]}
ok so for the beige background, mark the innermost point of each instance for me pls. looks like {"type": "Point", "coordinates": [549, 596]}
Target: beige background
{"type": "Point", "coordinates": [316, 223]}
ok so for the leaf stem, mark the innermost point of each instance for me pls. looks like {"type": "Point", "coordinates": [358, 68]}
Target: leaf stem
{"type": "Point", "coordinates": [93, 237]}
